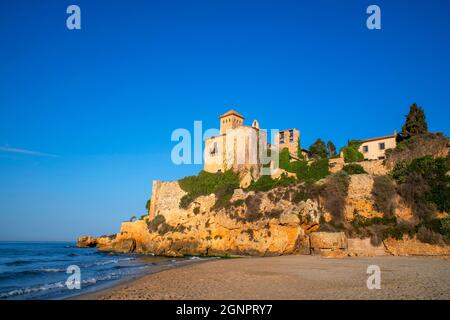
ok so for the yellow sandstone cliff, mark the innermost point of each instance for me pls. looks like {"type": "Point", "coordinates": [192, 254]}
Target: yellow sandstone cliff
{"type": "Point", "coordinates": [263, 224]}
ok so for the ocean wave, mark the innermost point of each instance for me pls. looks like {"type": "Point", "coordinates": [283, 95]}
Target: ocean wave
{"type": "Point", "coordinates": [30, 290]}
{"type": "Point", "coordinates": [105, 262]}
{"type": "Point", "coordinates": [15, 274]}
{"type": "Point", "coordinates": [53, 286]}
{"type": "Point", "coordinates": [52, 270]}
{"type": "Point", "coordinates": [17, 263]}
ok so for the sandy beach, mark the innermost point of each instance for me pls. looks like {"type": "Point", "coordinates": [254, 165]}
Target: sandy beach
{"type": "Point", "coordinates": [291, 277]}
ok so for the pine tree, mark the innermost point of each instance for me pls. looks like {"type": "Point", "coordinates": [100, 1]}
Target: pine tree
{"type": "Point", "coordinates": [331, 149]}
{"type": "Point", "coordinates": [415, 122]}
{"type": "Point", "coordinates": [318, 149]}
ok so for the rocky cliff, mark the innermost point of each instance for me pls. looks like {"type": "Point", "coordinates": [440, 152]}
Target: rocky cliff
{"type": "Point", "coordinates": [264, 223]}
{"type": "Point", "coordinates": [255, 223]}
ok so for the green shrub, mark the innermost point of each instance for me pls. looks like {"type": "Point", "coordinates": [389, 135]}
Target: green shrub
{"type": "Point", "coordinates": [397, 231]}
{"type": "Point", "coordinates": [428, 144]}
{"type": "Point", "coordinates": [316, 171]}
{"type": "Point", "coordinates": [400, 171]}
{"type": "Point", "coordinates": [351, 153]}
{"type": "Point", "coordinates": [354, 168]}
{"type": "Point", "coordinates": [205, 183]}
{"type": "Point", "coordinates": [429, 236]}
{"type": "Point", "coordinates": [266, 183]}
{"type": "Point", "coordinates": [445, 226]}
{"type": "Point", "coordinates": [384, 193]}
{"type": "Point", "coordinates": [284, 160]}
{"type": "Point", "coordinates": [319, 149]}
{"type": "Point", "coordinates": [360, 221]}
{"type": "Point", "coordinates": [300, 153]}
{"type": "Point", "coordinates": [424, 184]}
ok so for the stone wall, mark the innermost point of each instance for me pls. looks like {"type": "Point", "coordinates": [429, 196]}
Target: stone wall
{"type": "Point", "coordinates": [328, 243]}
{"type": "Point", "coordinates": [359, 197]}
{"type": "Point", "coordinates": [363, 247]}
{"type": "Point", "coordinates": [372, 167]}
{"type": "Point", "coordinates": [165, 200]}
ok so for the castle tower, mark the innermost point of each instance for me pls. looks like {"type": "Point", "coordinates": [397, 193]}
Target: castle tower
{"type": "Point", "coordinates": [230, 120]}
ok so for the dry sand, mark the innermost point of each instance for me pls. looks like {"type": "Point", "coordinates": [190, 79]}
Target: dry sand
{"type": "Point", "coordinates": [292, 277]}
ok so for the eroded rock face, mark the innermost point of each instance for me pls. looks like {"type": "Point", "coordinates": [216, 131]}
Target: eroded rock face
{"type": "Point", "coordinates": [359, 198]}
{"type": "Point", "coordinates": [86, 242]}
{"type": "Point", "coordinates": [91, 242]}
{"type": "Point", "coordinates": [413, 247]}
{"type": "Point", "coordinates": [264, 224]}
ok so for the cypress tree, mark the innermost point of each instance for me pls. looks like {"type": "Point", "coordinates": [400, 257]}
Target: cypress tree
{"type": "Point", "coordinates": [415, 122]}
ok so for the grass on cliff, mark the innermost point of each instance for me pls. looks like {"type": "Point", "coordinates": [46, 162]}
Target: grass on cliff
{"type": "Point", "coordinates": [421, 145]}
{"type": "Point", "coordinates": [205, 183]}
{"type": "Point", "coordinates": [354, 168]}
{"type": "Point", "coordinates": [435, 231]}
{"type": "Point", "coordinates": [314, 171]}
{"type": "Point", "coordinates": [266, 183]}
{"type": "Point", "coordinates": [424, 184]}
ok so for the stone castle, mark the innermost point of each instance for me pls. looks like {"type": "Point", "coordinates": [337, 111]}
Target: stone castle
{"type": "Point", "coordinates": [263, 223]}
{"type": "Point", "coordinates": [244, 148]}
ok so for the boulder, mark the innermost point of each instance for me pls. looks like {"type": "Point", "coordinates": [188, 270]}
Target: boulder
{"type": "Point", "coordinates": [323, 242]}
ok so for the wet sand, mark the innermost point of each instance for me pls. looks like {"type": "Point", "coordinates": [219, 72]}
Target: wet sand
{"type": "Point", "coordinates": [291, 277]}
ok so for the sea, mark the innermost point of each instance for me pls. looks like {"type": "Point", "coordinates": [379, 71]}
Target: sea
{"type": "Point", "coordinates": [42, 270]}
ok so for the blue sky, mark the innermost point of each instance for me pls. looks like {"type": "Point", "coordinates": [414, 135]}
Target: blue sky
{"type": "Point", "coordinates": [86, 116]}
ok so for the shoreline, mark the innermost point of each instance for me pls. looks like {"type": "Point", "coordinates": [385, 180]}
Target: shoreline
{"type": "Point", "coordinates": [129, 281]}
{"type": "Point", "coordinates": [293, 277]}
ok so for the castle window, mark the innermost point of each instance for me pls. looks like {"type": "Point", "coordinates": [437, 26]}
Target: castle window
{"type": "Point", "coordinates": [213, 150]}
{"type": "Point", "coordinates": [365, 149]}
{"type": "Point", "coordinates": [382, 146]}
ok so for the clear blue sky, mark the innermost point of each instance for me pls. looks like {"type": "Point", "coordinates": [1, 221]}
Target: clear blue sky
{"type": "Point", "coordinates": [86, 116]}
